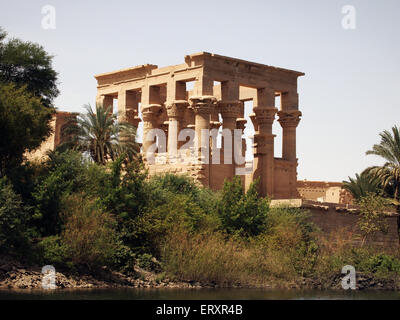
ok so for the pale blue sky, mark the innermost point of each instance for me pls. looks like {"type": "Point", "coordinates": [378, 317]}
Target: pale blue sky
{"type": "Point", "coordinates": [350, 93]}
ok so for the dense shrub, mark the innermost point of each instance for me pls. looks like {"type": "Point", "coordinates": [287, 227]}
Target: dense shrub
{"type": "Point", "coordinates": [128, 196]}
{"type": "Point", "coordinates": [52, 251]}
{"type": "Point", "coordinates": [89, 233]}
{"type": "Point", "coordinates": [177, 184]}
{"type": "Point", "coordinates": [242, 213]}
{"type": "Point", "coordinates": [211, 257]}
{"type": "Point", "coordinates": [290, 236]}
{"type": "Point", "coordinates": [13, 217]}
{"type": "Point", "coordinates": [164, 186]}
{"type": "Point", "coordinates": [285, 249]}
{"type": "Point", "coordinates": [64, 175]}
{"type": "Point", "coordinates": [149, 263]}
{"type": "Point", "coordinates": [167, 202]}
{"type": "Point", "coordinates": [179, 212]}
{"type": "Point", "coordinates": [373, 209]}
{"type": "Point", "coordinates": [382, 263]}
{"type": "Point", "coordinates": [123, 258]}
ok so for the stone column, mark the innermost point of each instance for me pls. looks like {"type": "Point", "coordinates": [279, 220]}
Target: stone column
{"type": "Point", "coordinates": [202, 106]}
{"type": "Point", "coordinates": [149, 114]}
{"type": "Point", "coordinates": [289, 118]}
{"type": "Point", "coordinates": [229, 111]}
{"type": "Point", "coordinates": [263, 118]}
{"type": "Point", "coordinates": [264, 140]}
{"type": "Point", "coordinates": [175, 112]}
{"type": "Point", "coordinates": [289, 121]}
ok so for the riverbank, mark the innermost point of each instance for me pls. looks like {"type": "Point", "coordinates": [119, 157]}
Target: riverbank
{"type": "Point", "coordinates": [14, 275]}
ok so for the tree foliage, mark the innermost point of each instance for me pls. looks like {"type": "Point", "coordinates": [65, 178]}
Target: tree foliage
{"type": "Point", "coordinates": [27, 64]}
{"type": "Point", "coordinates": [24, 124]}
{"type": "Point", "coordinates": [13, 218]}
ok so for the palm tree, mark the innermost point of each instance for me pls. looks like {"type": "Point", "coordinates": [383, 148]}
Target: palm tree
{"type": "Point", "coordinates": [389, 149]}
{"type": "Point", "coordinates": [101, 136]}
{"type": "Point", "coordinates": [363, 184]}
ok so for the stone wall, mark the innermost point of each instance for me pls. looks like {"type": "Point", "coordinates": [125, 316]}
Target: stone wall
{"type": "Point", "coordinates": [331, 218]}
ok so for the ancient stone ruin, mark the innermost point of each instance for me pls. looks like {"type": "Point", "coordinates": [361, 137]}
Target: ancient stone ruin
{"type": "Point", "coordinates": [181, 124]}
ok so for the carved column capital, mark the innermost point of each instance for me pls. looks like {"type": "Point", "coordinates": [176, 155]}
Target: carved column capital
{"type": "Point", "coordinates": [150, 112]}
{"type": "Point", "coordinates": [289, 119]}
{"type": "Point", "coordinates": [154, 108]}
{"type": "Point", "coordinates": [176, 108]}
{"type": "Point", "coordinates": [229, 109]}
{"type": "Point", "coordinates": [265, 115]}
{"type": "Point", "coordinates": [202, 104]}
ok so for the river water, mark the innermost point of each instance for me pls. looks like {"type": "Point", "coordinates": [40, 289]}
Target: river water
{"type": "Point", "coordinates": [197, 294]}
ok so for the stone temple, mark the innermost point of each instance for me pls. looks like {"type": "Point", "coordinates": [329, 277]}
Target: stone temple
{"type": "Point", "coordinates": [207, 93]}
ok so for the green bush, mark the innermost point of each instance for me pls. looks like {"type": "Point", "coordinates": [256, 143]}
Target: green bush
{"type": "Point", "coordinates": [13, 217]}
{"type": "Point", "coordinates": [381, 263]}
{"type": "Point", "coordinates": [281, 220]}
{"type": "Point", "coordinates": [89, 233]}
{"type": "Point", "coordinates": [123, 259]}
{"type": "Point", "coordinates": [148, 262]}
{"type": "Point", "coordinates": [125, 195]}
{"type": "Point", "coordinates": [289, 236]}
{"type": "Point", "coordinates": [178, 184]}
{"type": "Point", "coordinates": [52, 251]}
{"type": "Point", "coordinates": [64, 175]}
{"type": "Point", "coordinates": [373, 209]}
{"type": "Point", "coordinates": [178, 212]}
{"type": "Point", "coordinates": [162, 188]}
{"type": "Point", "coordinates": [242, 213]}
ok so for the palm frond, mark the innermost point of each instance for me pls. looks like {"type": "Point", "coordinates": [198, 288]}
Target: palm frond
{"type": "Point", "coordinates": [99, 134]}
{"type": "Point", "coordinates": [388, 149]}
